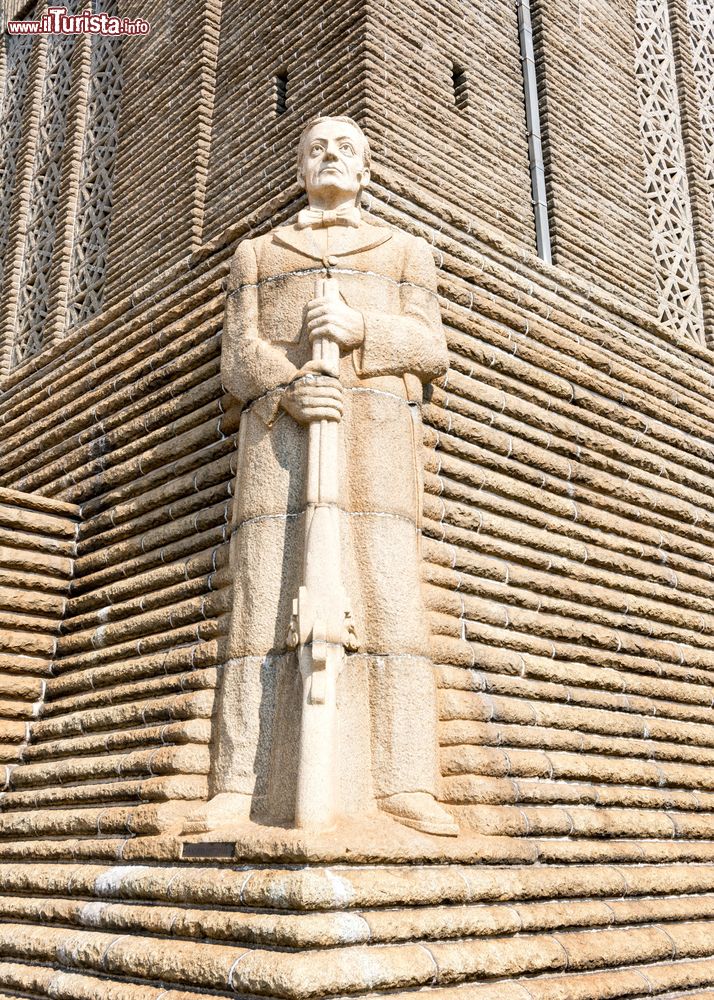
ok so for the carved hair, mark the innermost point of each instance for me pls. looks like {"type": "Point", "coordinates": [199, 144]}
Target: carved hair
{"type": "Point", "coordinates": [366, 152]}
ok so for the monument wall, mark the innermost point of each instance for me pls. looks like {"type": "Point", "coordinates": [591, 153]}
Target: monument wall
{"type": "Point", "coordinates": [568, 528]}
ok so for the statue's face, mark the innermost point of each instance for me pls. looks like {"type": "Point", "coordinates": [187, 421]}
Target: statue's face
{"type": "Point", "coordinates": [333, 160]}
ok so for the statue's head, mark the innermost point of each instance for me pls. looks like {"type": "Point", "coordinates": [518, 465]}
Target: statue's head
{"type": "Point", "coordinates": [333, 159]}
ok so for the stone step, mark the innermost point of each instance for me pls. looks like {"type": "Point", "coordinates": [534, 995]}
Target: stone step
{"type": "Point", "coordinates": [113, 792]}
{"type": "Point", "coordinates": [359, 968]}
{"type": "Point", "coordinates": [14, 555]}
{"type": "Point", "coordinates": [90, 821]}
{"type": "Point", "coordinates": [20, 663]}
{"type": "Point", "coordinates": [39, 983]}
{"type": "Point", "coordinates": [12, 731]}
{"type": "Point", "coordinates": [665, 980]}
{"type": "Point", "coordinates": [35, 643]}
{"type": "Point", "coordinates": [80, 931]}
{"type": "Point", "coordinates": [300, 930]}
{"type": "Point", "coordinates": [698, 995]}
{"type": "Point", "coordinates": [361, 928]}
{"type": "Point", "coordinates": [139, 845]}
{"type": "Point", "coordinates": [22, 687]}
{"type": "Point", "coordinates": [13, 517]}
{"type": "Point", "coordinates": [47, 506]}
{"type": "Point", "coordinates": [33, 583]}
{"type": "Point", "coordinates": [12, 618]}
{"type": "Point", "coordinates": [319, 888]}
{"type": "Point", "coordinates": [31, 542]}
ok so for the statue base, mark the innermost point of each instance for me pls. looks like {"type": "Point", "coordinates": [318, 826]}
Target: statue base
{"type": "Point", "coordinates": [375, 839]}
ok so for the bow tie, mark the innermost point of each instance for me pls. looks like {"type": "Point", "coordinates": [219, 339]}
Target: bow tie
{"type": "Point", "coordinates": [338, 217]}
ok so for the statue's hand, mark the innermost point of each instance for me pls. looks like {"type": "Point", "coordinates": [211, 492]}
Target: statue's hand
{"type": "Point", "coordinates": [337, 321]}
{"type": "Point", "coordinates": [313, 397]}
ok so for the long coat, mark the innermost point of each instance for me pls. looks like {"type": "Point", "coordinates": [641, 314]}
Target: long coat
{"type": "Point", "coordinates": [389, 277]}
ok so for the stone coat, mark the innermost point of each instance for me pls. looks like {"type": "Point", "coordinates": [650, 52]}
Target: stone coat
{"type": "Point", "coordinates": [389, 276]}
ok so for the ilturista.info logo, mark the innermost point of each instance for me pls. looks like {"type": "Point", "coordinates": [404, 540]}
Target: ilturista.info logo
{"type": "Point", "coordinates": [60, 21]}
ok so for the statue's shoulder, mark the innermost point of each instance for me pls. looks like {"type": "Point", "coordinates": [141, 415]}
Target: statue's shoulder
{"type": "Point", "coordinates": [250, 255]}
{"type": "Point", "coordinates": [288, 229]}
{"type": "Point", "coordinates": [270, 240]}
{"type": "Point", "coordinates": [256, 243]}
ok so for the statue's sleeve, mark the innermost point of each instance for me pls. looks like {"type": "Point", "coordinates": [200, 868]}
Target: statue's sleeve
{"type": "Point", "coordinates": [250, 366]}
{"type": "Point", "coordinates": [412, 341]}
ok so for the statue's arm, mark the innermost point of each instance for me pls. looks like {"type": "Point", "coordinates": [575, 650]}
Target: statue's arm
{"type": "Point", "coordinates": [413, 341]}
{"type": "Point", "coordinates": [250, 366]}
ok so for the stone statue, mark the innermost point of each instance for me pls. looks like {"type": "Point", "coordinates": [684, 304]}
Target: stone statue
{"type": "Point", "coordinates": [332, 327]}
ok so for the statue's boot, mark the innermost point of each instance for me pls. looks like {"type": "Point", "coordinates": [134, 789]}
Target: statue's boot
{"type": "Point", "coordinates": [224, 809]}
{"type": "Point", "coordinates": [421, 811]}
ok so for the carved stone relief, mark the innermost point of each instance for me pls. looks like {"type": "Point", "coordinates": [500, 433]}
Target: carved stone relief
{"type": "Point", "coordinates": [33, 302]}
{"type": "Point", "coordinates": [18, 50]}
{"type": "Point", "coordinates": [94, 201]}
{"type": "Point", "coordinates": [701, 23]}
{"type": "Point", "coordinates": [667, 190]}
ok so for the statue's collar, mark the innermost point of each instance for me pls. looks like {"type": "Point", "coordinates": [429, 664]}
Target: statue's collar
{"type": "Point", "coordinates": [344, 240]}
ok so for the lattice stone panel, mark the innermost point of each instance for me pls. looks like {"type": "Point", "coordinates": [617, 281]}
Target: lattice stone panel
{"type": "Point", "coordinates": [94, 202]}
{"type": "Point", "coordinates": [680, 305]}
{"type": "Point", "coordinates": [17, 51]}
{"type": "Point", "coordinates": [701, 23]}
{"type": "Point", "coordinates": [33, 301]}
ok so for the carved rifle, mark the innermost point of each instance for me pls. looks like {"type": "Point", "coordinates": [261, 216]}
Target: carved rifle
{"type": "Point", "coordinates": [321, 627]}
